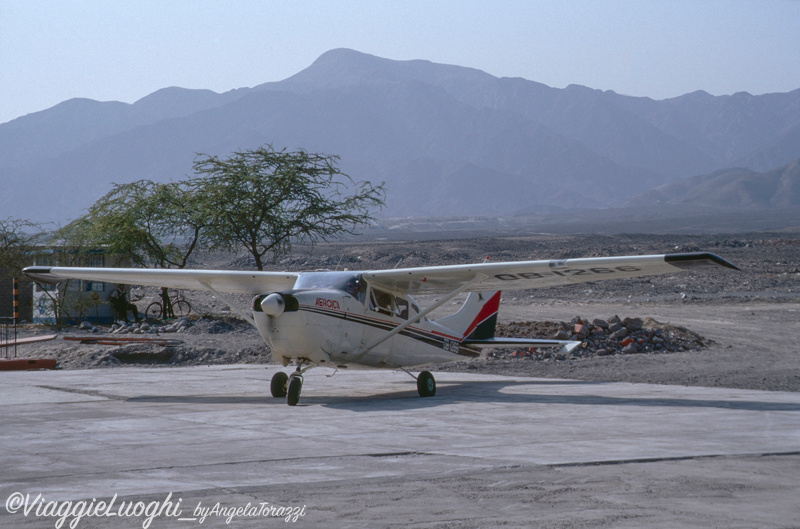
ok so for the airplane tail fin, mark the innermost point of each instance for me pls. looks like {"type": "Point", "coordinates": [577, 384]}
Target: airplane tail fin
{"type": "Point", "coordinates": [475, 323]}
{"type": "Point", "coordinates": [477, 317]}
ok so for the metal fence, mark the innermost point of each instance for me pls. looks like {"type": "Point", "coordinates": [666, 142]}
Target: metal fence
{"type": "Point", "coordinates": [8, 337]}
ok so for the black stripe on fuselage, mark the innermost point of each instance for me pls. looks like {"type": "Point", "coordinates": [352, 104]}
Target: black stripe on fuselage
{"type": "Point", "coordinates": [420, 335]}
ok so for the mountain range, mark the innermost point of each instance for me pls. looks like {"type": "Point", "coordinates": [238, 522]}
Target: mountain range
{"type": "Point", "coordinates": [447, 140]}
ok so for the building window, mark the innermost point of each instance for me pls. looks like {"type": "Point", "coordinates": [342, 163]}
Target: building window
{"type": "Point", "coordinates": [44, 287]}
{"type": "Point", "coordinates": [95, 260]}
{"type": "Point", "coordinates": [44, 260]}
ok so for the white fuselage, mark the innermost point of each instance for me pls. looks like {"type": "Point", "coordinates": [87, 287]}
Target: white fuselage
{"type": "Point", "coordinates": [333, 327]}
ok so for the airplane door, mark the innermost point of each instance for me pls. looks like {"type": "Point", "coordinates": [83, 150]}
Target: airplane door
{"type": "Point", "coordinates": [380, 318]}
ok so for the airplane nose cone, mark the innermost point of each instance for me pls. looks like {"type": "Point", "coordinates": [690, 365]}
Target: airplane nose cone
{"type": "Point", "coordinates": [273, 305]}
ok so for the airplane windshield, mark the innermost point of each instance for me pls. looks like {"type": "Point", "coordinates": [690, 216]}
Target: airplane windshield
{"type": "Point", "coordinates": [350, 282]}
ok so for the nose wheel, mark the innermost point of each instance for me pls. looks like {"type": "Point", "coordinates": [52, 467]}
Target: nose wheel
{"type": "Point", "coordinates": [293, 393]}
{"type": "Point", "coordinates": [279, 384]}
{"type": "Point", "coordinates": [289, 386]}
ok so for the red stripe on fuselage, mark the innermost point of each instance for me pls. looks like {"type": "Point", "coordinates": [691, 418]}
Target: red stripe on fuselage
{"type": "Point", "coordinates": [354, 317]}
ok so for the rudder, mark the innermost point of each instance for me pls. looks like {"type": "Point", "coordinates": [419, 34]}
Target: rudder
{"type": "Point", "coordinates": [477, 317]}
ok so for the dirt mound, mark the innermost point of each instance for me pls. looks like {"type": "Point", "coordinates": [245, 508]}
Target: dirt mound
{"type": "Point", "coordinates": [206, 326]}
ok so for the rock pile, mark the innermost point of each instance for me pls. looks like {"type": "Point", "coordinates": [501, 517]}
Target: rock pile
{"type": "Point", "coordinates": [600, 337]}
{"type": "Point", "coordinates": [179, 325]}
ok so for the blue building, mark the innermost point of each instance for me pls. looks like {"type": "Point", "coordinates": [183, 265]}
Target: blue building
{"type": "Point", "coordinates": [73, 301]}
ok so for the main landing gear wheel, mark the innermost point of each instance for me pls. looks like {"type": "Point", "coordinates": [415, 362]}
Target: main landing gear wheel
{"type": "Point", "coordinates": [426, 384]}
{"type": "Point", "coordinates": [293, 393]}
{"type": "Point", "coordinates": [278, 384]}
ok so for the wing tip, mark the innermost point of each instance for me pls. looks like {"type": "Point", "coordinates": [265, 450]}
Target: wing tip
{"type": "Point", "coordinates": [696, 260]}
{"type": "Point", "coordinates": [41, 274]}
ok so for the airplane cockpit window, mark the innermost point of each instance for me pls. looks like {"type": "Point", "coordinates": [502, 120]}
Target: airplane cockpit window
{"type": "Point", "coordinates": [381, 301]}
{"type": "Point", "coordinates": [347, 281]}
{"type": "Point", "coordinates": [361, 290]}
{"type": "Point", "coordinates": [401, 310]}
{"type": "Point", "coordinates": [391, 305]}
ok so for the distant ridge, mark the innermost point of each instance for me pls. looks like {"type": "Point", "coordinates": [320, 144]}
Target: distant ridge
{"type": "Point", "coordinates": [447, 140]}
{"type": "Point", "coordinates": [732, 188]}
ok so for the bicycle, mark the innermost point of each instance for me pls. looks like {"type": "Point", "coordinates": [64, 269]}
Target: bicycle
{"type": "Point", "coordinates": [178, 307]}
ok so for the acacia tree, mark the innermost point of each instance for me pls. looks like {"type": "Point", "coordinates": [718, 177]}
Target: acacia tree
{"type": "Point", "coordinates": [17, 238]}
{"type": "Point", "coordinates": [153, 224]}
{"type": "Point", "coordinates": [17, 242]}
{"type": "Point", "coordinates": [264, 199]}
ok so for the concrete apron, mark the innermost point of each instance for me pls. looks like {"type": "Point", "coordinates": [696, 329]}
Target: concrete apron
{"type": "Point", "coordinates": [143, 431]}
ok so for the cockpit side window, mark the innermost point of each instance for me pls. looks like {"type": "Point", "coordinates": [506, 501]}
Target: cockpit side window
{"type": "Point", "coordinates": [361, 293]}
{"type": "Point", "coordinates": [391, 305]}
{"type": "Point", "coordinates": [401, 310]}
{"type": "Point", "coordinates": [381, 301]}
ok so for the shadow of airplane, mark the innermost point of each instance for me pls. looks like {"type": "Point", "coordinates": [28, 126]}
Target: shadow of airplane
{"type": "Point", "coordinates": [459, 391]}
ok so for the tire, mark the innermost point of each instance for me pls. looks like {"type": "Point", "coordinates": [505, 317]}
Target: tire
{"type": "Point", "coordinates": [293, 394]}
{"type": "Point", "coordinates": [154, 311]}
{"type": "Point", "coordinates": [426, 384]}
{"type": "Point", "coordinates": [277, 385]}
{"type": "Point", "coordinates": [181, 308]}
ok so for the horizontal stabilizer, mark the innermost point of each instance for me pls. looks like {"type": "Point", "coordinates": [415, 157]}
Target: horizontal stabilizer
{"type": "Point", "coordinates": [567, 346]}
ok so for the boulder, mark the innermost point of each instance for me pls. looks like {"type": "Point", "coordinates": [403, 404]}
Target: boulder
{"type": "Point", "coordinates": [620, 333]}
{"type": "Point", "coordinates": [631, 348]}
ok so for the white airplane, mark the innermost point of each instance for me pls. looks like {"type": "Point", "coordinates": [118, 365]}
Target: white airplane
{"type": "Point", "coordinates": [368, 318]}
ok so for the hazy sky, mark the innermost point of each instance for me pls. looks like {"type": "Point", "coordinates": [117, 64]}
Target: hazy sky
{"type": "Point", "coordinates": [54, 50]}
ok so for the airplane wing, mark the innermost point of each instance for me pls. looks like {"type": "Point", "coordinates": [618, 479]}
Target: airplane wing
{"type": "Point", "coordinates": [238, 282]}
{"type": "Point", "coordinates": [520, 275]}
{"type": "Point", "coordinates": [523, 275]}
